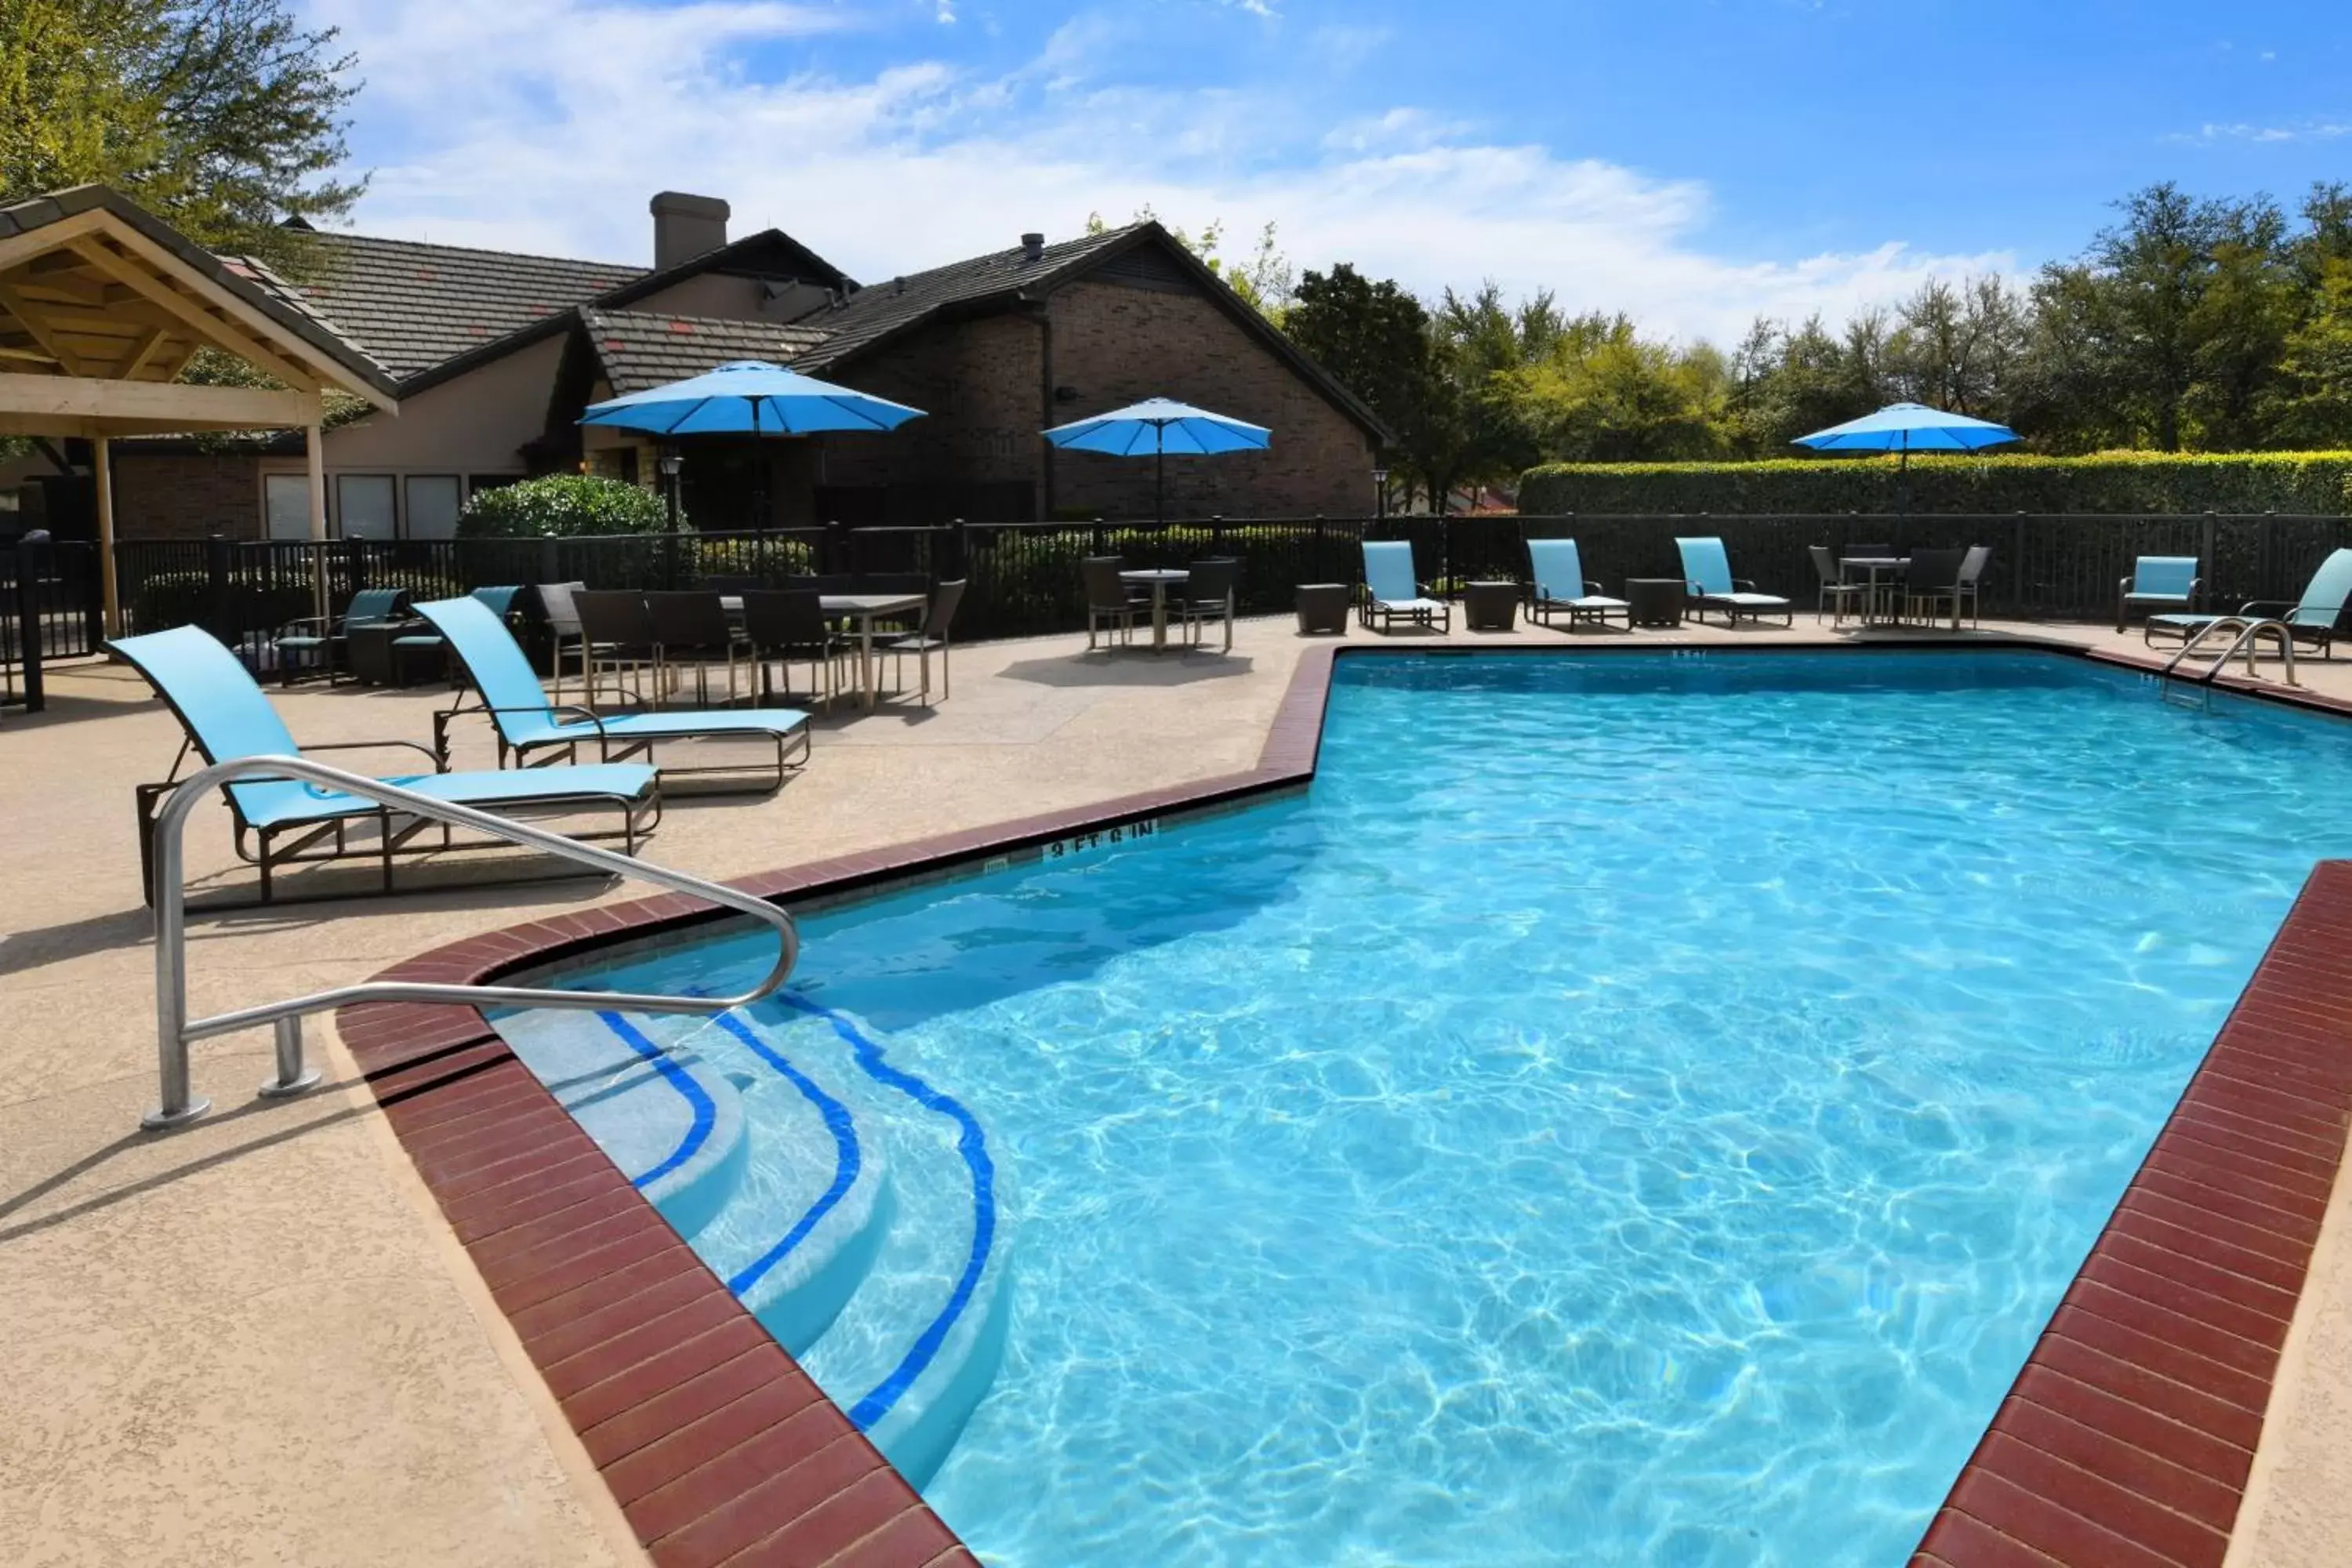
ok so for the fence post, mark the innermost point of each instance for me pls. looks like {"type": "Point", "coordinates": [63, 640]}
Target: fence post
{"type": "Point", "coordinates": [550, 563]}
{"type": "Point", "coordinates": [32, 635]}
{"type": "Point", "coordinates": [2208, 527]}
{"type": "Point", "coordinates": [215, 582]}
{"type": "Point", "coordinates": [2017, 561]}
{"type": "Point", "coordinates": [1098, 536]}
{"type": "Point", "coordinates": [959, 547]}
{"type": "Point", "coordinates": [829, 547]}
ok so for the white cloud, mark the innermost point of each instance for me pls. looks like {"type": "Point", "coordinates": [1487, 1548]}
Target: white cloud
{"type": "Point", "coordinates": [544, 125]}
{"type": "Point", "coordinates": [2309, 131]}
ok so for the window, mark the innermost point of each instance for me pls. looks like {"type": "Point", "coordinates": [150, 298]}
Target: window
{"type": "Point", "coordinates": [433, 501]}
{"type": "Point", "coordinates": [286, 505]}
{"type": "Point", "coordinates": [363, 506]}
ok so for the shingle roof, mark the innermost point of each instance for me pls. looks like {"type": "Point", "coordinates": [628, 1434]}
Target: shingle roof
{"type": "Point", "coordinates": [413, 306]}
{"type": "Point", "coordinates": [882, 308]}
{"type": "Point", "coordinates": [639, 349]}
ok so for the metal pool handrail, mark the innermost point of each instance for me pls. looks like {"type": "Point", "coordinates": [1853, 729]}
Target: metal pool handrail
{"type": "Point", "coordinates": [174, 1030]}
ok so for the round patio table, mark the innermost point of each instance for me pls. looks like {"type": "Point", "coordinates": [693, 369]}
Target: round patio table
{"type": "Point", "coordinates": [1161, 579]}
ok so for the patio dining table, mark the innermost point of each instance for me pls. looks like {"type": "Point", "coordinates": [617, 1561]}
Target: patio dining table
{"type": "Point", "coordinates": [863, 608]}
{"type": "Point", "coordinates": [1873, 599]}
{"type": "Point", "coordinates": [1161, 580]}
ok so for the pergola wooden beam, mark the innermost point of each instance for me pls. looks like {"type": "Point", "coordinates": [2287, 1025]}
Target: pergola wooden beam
{"type": "Point", "coordinates": [227, 334]}
{"type": "Point", "coordinates": [193, 407]}
{"type": "Point", "coordinates": [39, 328]}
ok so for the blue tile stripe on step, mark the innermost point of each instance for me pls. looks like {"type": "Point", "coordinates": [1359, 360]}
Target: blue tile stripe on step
{"type": "Point", "coordinates": [706, 1114]}
{"type": "Point", "coordinates": [846, 1160]}
{"type": "Point", "coordinates": [972, 1144]}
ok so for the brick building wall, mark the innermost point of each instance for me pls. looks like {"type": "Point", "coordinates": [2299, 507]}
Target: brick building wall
{"type": "Point", "coordinates": [1113, 343]}
{"type": "Point", "coordinates": [981, 382]}
{"type": "Point", "coordinates": [187, 495]}
{"type": "Point", "coordinates": [1116, 343]}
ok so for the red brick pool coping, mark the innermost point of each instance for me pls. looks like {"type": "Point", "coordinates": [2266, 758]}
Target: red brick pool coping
{"type": "Point", "coordinates": [2126, 1440]}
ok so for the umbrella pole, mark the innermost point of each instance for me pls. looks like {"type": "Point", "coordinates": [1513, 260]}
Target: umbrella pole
{"type": "Point", "coordinates": [1159, 476]}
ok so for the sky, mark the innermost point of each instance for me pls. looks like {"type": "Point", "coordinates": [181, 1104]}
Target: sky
{"type": "Point", "coordinates": [1691, 162]}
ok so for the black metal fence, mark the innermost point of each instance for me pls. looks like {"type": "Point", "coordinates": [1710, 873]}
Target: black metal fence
{"type": "Point", "coordinates": [48, 609]}
{"type": "Point", "coordinates": [1024, 577]}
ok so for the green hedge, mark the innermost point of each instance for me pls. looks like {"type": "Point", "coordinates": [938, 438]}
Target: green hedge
{"type": "Point", "coordinates": [2295, 482]}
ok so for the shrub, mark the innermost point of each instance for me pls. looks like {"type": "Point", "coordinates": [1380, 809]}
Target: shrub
{"type": "Point", "coordinates": [2126, 482]}
{"type": "Point", "coordinates": [562, 504]}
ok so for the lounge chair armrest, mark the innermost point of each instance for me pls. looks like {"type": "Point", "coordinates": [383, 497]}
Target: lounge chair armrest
{"type": "Point", "coordinates": [2251, 605]}
{"type": "Point", "coordinates": [554, 709]}
{"type": "Point", "coordinates": [1744, 586]}
{"type": "Point", "coordinates": [418, 746]}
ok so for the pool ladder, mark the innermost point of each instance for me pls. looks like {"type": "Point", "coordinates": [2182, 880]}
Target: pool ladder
{"type": "Point", "coordinates": [2197, 685]}
{"type": "Point", "coordinates": [175, 1031]}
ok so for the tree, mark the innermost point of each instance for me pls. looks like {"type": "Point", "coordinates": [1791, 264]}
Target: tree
{"type": "Point", "coordinates": [1375, 337]}
{"type": "Point", "coordinates": [1264, 281]}
{"type": "Point", "coordinates": [223, 117]}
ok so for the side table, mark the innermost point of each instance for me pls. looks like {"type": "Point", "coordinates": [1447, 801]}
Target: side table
{"type": "Point", "coordinates": [1323, 608]}
{"type": "Point", "coordinates": [1656, 601]}
{"type": "Point", "coordinates": [1490, 607]}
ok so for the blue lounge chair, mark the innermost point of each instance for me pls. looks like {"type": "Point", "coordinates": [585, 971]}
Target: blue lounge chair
{"type": "Point", "coordinates": [282, 822]}
{"type": "Point", "coordinates": [527, 723]}
{"type": "Point", "coordinates": [1392, 592]}
{"type": "Point", "coordinates": [2166, 584]}
{"type": "Point", "coordinates": [2309, 620]}
{"type": "Point", "coordinates": [1559, 588]}
{"type": "Point", "coordinates": [1707, 577]}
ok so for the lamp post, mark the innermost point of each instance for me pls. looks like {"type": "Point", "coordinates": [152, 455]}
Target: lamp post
{"type": "Point", "coordinates": [669, 462]}
{"type": "Point", "coordinates": [1380, 492]}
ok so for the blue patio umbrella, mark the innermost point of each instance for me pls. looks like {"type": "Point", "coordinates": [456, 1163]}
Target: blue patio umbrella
{"type": "Point", "coordinates": [1160, 425]}
{"type": "Point", "coordinates": [1908, 427]}
{"type": "Point", "coordinates": [749, 397]}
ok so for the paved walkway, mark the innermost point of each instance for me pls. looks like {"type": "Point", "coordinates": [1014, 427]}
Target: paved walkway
{"type": "Point", "coordinates": [254, 1340]}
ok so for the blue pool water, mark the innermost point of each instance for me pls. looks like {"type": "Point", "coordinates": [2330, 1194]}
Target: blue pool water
{"type": "Point", "coordinates": [1634, 1109]}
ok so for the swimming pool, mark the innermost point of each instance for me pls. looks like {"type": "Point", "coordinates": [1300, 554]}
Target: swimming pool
{"type": "Point", "coordinates": [1640, 1108]}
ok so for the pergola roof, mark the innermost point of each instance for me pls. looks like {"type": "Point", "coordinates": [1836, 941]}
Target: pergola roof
{"type": "Point", "coordinates": [102, 305]}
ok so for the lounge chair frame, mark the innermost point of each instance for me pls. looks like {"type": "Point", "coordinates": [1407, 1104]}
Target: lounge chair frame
{"type": "Point", "coordinates": [1593, 608]}
{"type": "Point", "coordinates": [791, 746]}
{"type": "Point", "coordinates": [1420, 611]}
{"type": "Point", "coordinates": [271, 848]}
{"type": "Point", "coordinates": [2333, 570]}
{"type": "Point", "coordinates": [1731, 606]}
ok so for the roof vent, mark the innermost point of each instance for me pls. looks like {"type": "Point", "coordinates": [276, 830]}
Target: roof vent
{"type": "Point", "coordinates": [686, 226]}
{"type": "Point", "coordinates": [898, 284]}
{"type": "Point", "coordinates": [1033, 247]}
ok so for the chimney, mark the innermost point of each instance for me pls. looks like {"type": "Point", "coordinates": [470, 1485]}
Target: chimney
{"type": "Point", "coordinates": [686, 226]}
{"type": "Point", "coordinates": [1033, 247]}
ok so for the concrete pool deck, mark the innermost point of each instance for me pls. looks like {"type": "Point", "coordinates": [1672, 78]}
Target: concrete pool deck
{"type": "Point", "coordinates": [201, 1370]}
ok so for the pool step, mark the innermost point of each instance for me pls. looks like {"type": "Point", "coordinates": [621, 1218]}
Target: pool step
{"type": "Point", "coordinates": [815, 1203]}
{"type": "Point", "coordinates": [916, 1348]}
{"type": "Point", "coordinates": [664, 1111]}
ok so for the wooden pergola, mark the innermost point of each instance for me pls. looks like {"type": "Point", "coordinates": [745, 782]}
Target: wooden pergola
{"type": "Point", "coordinates": [102, 306]}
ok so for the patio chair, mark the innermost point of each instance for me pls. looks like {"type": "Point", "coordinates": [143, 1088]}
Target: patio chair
{"type": "Point", "coordinates": [1706, 573]}
{"type": "Point", "coordinates": [1932, 578]}
{"type": "Point", "coordinates": [1208, 596]}
{"type": "Point", "coordinates": [789, 624]}
{"type": "Point", "coordinates": [1835, 592]}
{"type": "Point", "coordinates": [527, 723]}
{"type": "Point", "coordinates": [616, 634]}
{"type": "Point", "coordinates": [410, 644]}
{"type": "Point", "coordinates": [283, 821]}
{"type": "Point", "coordinates": [2310, 620]}
{"type": "Point", "coordinates": [690, 627]}
{"type": "Point", "coordinates": [555, 602]}
{"type": "Point", "coordinates": [939, 616]}
{"type": "Point", "coordinates": [1392, 591]}
{"type": "Point", "coordinates": [2159, 584]}
{"type": "Point", "coordinates": [1972, 567]}
{"type": "Point", "coordinates": [1108, 602]}
{"type": "Point", "coordinates": [1556, 586]}
{"type": "Point", "coordinates": [326, 646]}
